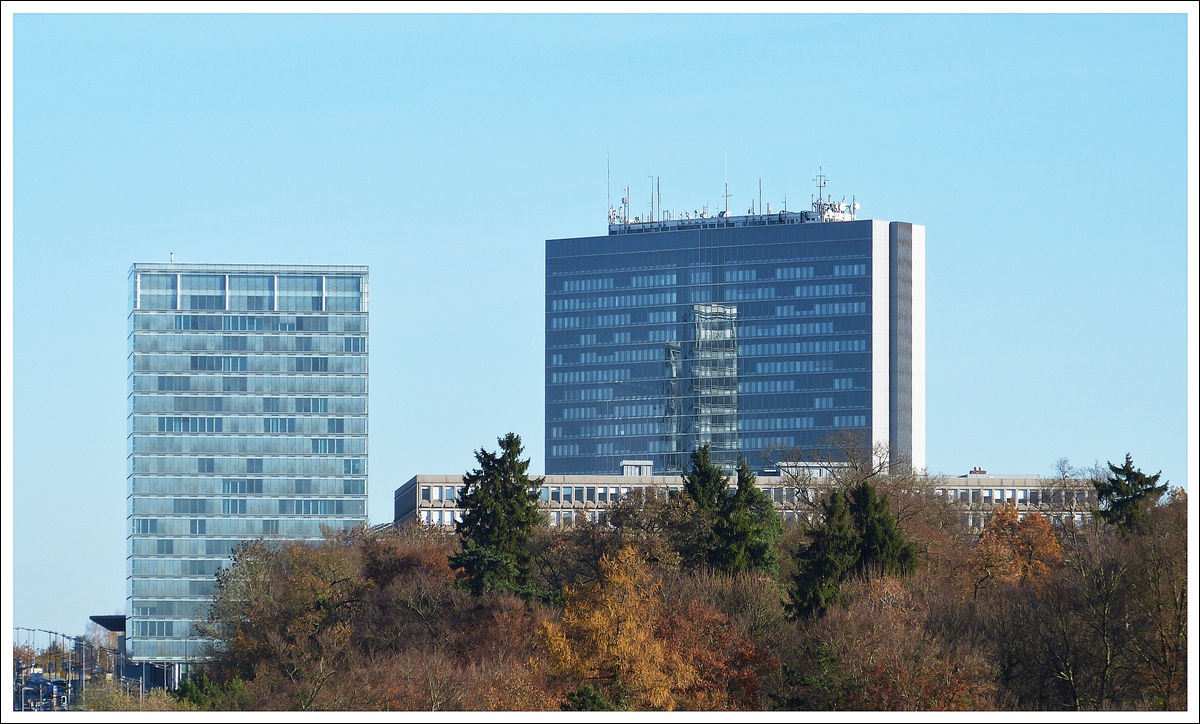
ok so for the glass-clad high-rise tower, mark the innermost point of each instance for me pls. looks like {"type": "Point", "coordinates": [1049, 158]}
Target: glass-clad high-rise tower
{"type": "Point", "coordinates": [247, 419]}
{"type": "Point", "coordinates": [751, 334]}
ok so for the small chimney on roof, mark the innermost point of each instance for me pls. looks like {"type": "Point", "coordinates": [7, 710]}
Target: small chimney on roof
{"type": "Point", "coordinates": [977, 471]}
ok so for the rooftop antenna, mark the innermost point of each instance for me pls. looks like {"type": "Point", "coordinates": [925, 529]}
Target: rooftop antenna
{"type": "Point", "coordinates": [607, 181]}
{"type": "Point", "coordinates": [658, 193]}
{"type": "Point", "coordinates": [822, 181]}
{"type": "Point", "coordinates": [760, 206]}
{"type": "Point", "coordinates": [172, 257]}
{"type": "Point", "coordinates": [652, 198]}
{"type": "Point", "coordinates": [727, 184]}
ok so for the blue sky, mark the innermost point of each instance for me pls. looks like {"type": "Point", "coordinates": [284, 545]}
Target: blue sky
{"type": "Point", "coordinates": [1046, 155]}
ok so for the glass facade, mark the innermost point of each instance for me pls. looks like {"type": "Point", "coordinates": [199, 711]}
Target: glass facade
{"type": "Point", "coordinates": [247, 419]}
{"type": "Point", "coordinates": [741, 333]}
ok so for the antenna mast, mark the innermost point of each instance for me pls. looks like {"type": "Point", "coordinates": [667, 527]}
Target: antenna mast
{"type": "Point", "coordinates": [726, 184]}
{"type": "Point", "coordinates": [607, 182]}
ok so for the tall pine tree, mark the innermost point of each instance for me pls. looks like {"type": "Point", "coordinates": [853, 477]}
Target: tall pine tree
{"type": "Point", "coordinates": [856, 536]}
{"type": "Point", "coordinates": [1127, 495]}
{"type": "Point", "coordinates": [500, 512]}
{"type": "Point", "coordinates": [747, 528]}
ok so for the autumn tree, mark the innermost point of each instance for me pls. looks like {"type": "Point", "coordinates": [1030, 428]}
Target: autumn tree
{"type": "Point", "coordinates": [607, 638]}
{"type": "Point", "coordinates": [500, 513]}
{"type": "Point", "coordinates": [1127, 494]}
{"type": "Point", "coordinates": [1014, 549]}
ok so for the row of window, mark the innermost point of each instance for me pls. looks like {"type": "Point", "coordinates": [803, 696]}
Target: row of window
{"type": "Point", "coordinates": [1020, 496]}
{"type": "Point", "coordinates": [744, 294]}
{"type": "Point", "coordinates": [241, 323]}
{"type": "Point", "coordinates": [705, 277]}
{"type": "Point", "coordinates": [781, 348]}
{"type": "Point", "coordinates": [228, 443]}
{"type": "Point", "coordinates": [589, 376]}
{"type": "Point", "coordinates": [350, 383]}
{"type": "Point", "coordinates": [258, 485]}
{"type": "Point", "coordinates": [599, 320]}
{"type": "Point", "coordinates": [284, 465]}
{"type": "Point", "coordinates": [625, 300]}
{"type": "Point", "coordinates": [820, 310]}
{"type": "Point", "coordinates": [190, 424]}
{"type": "Point", "coordinates": [825, 290]}
{"type": "Point", "coordinates": [781, 423]}
{"type": "Point", "coordinates": [316, 405]}
{"type": "Point", "coordinates": [789, 366]}
{"type": "Point", "coordinates": [843, 421]}
{"type": "Point", "coordinates": [270, 425]}
{"type": "Point", "coordinates": [616, 356]}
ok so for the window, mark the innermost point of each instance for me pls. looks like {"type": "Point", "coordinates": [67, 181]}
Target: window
{"type": "Point", "coordinates": [653, 280]}
{"type": "Point", "coordinates": [219, 364]}
{"type": "Point", "coordinates": [198, 526]}
{"type": "Point", "coordinates": [620, 337]}
{"type": "Point", "coordinates": [850, 270]}
{"type": "Point", "coordinates": [843, 383]}
{"type": "Point", "coordinates": [190, 424]}
{"type": "Point", "coordinates": [336, 426]}
{"type": "Point", "coordinates": [270, 527]}
{"type": "Point", "coordinates": [233, 343]}
{"type": "Point", "coordinates": [242, 487]}
{"type": "Point", "coordinates": [145, 526]}
{"type": "Point", "coordinates": [206, 465]}
{"type": "Point", "coordinates": [183, 506]}
{"type": "Point", "coordinates": [451, 493]}
{"type": "Point", "coordinates": [579, 495]}
{"type": "Point", "coordinates": [822, 403]}
{"type": "Point", "coordinates": [233, 506]}
{"type": "Point", "coordinates": [354, 487]}
{"type": "Point", "coordinates": [566, 493]}
{"type": "Point", "coordinates": [233, 384]}
{"type": "Point", "coordinates": [279, 424]}
{"type": "Point", "coordinates": [174, 384]}
{"type": "Point", "coordinates": [313, 404]}
{"type": "Point", "coordinates": [328, 446]}
{"type": "Point", "coordinates": [591, 495]}
{"type": "Point", "coordinates": [165, 546]}
{"type": "Point", "coordinates": [352, 467]}
{"type": "Point", "coordinates": [271, 404]}
{"type": "Point", "coordinates": [312, 364]}
{"type": "Point", "coordinates": [254, 465]}
{"type": "Point", "coordinates": [354, 344]}
{"type": "Point", "coordinates": [587, 340]}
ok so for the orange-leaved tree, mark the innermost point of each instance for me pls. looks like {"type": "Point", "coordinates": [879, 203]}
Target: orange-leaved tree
{"type": "Point", "coordinates": [1014, 549]}
{"type": "Point", "coordinates": [608, 638]}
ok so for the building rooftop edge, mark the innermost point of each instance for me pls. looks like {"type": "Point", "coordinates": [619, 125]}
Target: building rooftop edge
{"type": "Point", "coordinates": [241, 267]}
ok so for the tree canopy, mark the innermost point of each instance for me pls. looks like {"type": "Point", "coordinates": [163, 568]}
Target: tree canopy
{"type": "Point", "coordinates": [855, 536]}
{"type": "Point", "coordinates": [1127, 495]}
{"type": "Point", "coordinates": [743, 526]}
{"type": "Point", "coordinates": [500, 513]}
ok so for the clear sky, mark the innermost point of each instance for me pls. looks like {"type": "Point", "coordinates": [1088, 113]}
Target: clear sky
{"type": "Point", "coordinates": [1046, 155]}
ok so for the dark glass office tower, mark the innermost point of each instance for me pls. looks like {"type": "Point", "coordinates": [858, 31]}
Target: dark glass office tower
{"type": "Point", "coordinates": [751, 334]}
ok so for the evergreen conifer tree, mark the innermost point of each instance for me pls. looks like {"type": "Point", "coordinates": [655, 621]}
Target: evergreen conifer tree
{"type": "Point", "coordinates": [827, 560]}
{"type": "Point", "coordinates": [1127, 495]}
{"type": "Point", "coordinates": [883, 550]}
{"type": "Point", "coordinates": [500, 512]}
{"type": "Point", "coordinates": [856, 536]}
{"type": "Point", "coordinates": [743, 524]}
{"type": "Point", "coordinates": [747, 528]}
